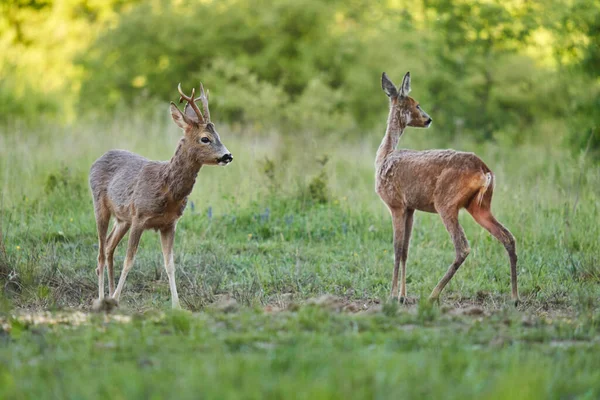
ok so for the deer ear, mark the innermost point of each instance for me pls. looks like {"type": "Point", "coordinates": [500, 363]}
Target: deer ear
{"type": "Point", "coordinates": [190, 113]}
{"type": "Point", "coordinates": [179, 118]}
{"type": "Point", "coordinates": [388, 86]}
{"type": "Point", "coordinates": [405, 89]}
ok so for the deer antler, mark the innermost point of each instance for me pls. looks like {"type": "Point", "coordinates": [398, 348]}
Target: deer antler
{"type": "Point", "coordinates": [192, 102]}
{"type": "Point", "coordinates": [204, 98]}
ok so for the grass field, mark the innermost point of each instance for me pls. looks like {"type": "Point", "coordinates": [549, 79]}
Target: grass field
{"type": "Point", "coordinates": [284, 261]}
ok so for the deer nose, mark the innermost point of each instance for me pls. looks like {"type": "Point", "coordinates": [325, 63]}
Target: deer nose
{"type": "Point", "coordinates": [227, 158]}
{"type": "Point", "coordinates": [428, 122]}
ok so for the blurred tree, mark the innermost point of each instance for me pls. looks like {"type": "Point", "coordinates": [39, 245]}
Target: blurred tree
{"type": "Point", "coordinates": [285, 43]}
{"type": "Point", "coordinates": [15, 13]}
{"type": "Point", "coordinates": [473, 38]}
{"type": "Point", "coordinates": [38, 41]}
{"type": "Point", "coordinates": [307, 65]}
{"type": "Point", "coordinates": [578, 29]}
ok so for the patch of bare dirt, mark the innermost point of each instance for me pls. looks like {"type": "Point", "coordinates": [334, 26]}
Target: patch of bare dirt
{"type": "Point", "coordinates": [225, 303]}
{"type": "Point", "coordinates": [287, 302]}
{"type": "Point", "coordinates": [75, 318]}
{"type": "Point", "coordinates": [469, 310]}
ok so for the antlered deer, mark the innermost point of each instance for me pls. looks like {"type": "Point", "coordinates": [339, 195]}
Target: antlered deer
{"type": "Point", "coordinates": [436, 181]}
{"type": "Point", "coordinates": [143, 194]}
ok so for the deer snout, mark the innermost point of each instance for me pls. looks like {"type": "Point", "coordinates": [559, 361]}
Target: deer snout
{"type": "Point", "coordinates": [428, 122]}
{"type": "Point", "coordinates": [226, 159]}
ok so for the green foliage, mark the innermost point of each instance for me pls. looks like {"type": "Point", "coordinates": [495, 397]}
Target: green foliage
{"type": "Point", "coordinates": [317, 190]}
{"type": "Point", "coordinates": [305, 80]}
{"type": "Point", "coordinates": [268, 169]}
{"type": "Point", "coordinates": [255, 79]}
{"type": "Point", "coordinates": [491, 70]}
{"type": "Point", "coordinates": [577, 28]}
{"type": "Point", "coordinates": [31, 106]}
{"type": "Point", "coordinates": [64, 181]}
{"type": "Point", "coordinates": [39, 40]}
{"type": "Point", "coordinates": [426, 311]}
{"type": "Point", "coordinates": [495, 91]}
{"type": "Point", "coordinates": [180, 321]}
{"type": "Point", "coordinates": [390, 308]}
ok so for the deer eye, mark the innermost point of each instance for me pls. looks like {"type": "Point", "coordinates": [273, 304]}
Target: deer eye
{"type": "Point", "coordinates": [205, 140]}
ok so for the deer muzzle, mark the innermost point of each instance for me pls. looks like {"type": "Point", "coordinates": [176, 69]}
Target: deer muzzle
{"type": "Point", "coordinates": [226, 159]}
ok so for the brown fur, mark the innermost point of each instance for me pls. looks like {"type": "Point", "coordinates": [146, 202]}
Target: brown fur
{"type": "Point", "coordinates": [436, 181]}
{"type": "Point", "coordinates": [142, 194]}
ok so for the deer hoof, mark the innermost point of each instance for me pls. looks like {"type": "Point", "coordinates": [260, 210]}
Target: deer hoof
{"type": "Point", "coordinates": [105, 305]}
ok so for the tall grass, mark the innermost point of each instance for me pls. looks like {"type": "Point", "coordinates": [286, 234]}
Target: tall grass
{"type": "Point", "coordinates": [294, 214]}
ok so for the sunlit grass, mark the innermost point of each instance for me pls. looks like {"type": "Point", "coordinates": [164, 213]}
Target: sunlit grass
{"type": "Point", "coordinates": [254, 233]}
{"type": "Point", "coordinates": [309, 353]}
{"type": "Point", "coordinates": [258, 234]}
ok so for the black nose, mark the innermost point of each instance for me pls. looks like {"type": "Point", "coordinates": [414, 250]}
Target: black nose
{"type": "Point", "coordinates": [429, 121]}
{"type": "Point", "coordinates": [226, 158]}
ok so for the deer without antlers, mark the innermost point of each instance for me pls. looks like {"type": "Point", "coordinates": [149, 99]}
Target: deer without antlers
{"type": "Point", "coordinates": [143, 194]}
{"type": "Point", "coordinates": [436, 181]}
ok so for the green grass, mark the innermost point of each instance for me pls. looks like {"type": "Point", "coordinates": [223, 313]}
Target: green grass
{"type": "Point", "coordinates": [311, 353]}
{"type": "Point", "coordinates": [274, 230]}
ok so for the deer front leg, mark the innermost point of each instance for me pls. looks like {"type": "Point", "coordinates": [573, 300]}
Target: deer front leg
{"type": "Point", "coordinates": [167, 237]}
{"type": "Point", "coordinates": [404, 255]}
{"type": "Point", "coordinates": [461, 246]}
{"type": "Point", "coordinates": [399, 224]}
{"type": "Point", "coordinates": [132, 245]}
{"type": "Point", "coordinates": [102, 219]}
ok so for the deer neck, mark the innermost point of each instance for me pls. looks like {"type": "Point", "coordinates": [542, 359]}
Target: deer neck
{"type": "Point", "coordinates": [395, 128]}
{"type": "Point", "coordinates": [181, 172]}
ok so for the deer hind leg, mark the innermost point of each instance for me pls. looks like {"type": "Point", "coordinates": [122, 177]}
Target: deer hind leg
{"type": "Point", "coordinates": [461, 246]}
{"type": "Point", "coordinates": [132, 245]}
{"type": "Point", "coordinates": [167, 237]}
{"type": "Point", "coordinates": [114, 238]}
{"type": "Point", "coordinates": [102, 220]}
{"type": "Point", "coordinates": [483, 216]}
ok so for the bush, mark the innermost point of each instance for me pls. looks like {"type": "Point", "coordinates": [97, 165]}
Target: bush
{"type": "Point", "coordinates": [303, 65]}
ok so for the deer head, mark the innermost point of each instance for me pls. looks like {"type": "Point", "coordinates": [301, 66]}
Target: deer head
{"type": "Point", "coordinates": [408, 109]}
{"type": "Point", "coordinates": [203, 141]}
